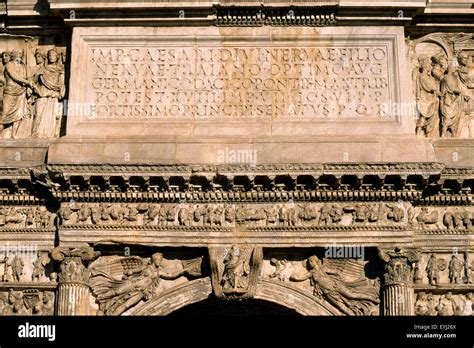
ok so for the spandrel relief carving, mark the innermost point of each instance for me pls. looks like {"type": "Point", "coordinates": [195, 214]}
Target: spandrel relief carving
{"type": "Point", "coordinates": [443, 85]}
{"type": "Point", "coordinates": [283, 269]}
{"type": "Point", "coordinates": [33, 85]}
{"type": "Point", "coordinates": [120, 283]}
{"type": "Point", "coordinates": [328, 278]}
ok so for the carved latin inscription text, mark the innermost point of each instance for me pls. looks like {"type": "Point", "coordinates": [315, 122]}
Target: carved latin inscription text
{"type": "Point", "coordinates": [240, 81]}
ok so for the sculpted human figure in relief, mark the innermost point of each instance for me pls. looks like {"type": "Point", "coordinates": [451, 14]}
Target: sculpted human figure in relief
{"type": "Point", "coordinates": [15, 109]}
{"type": "Point", "coordinates": [235, 270]}
{"type": "Point", "coordinates": [452, 103]}
{"type": "Point", "coordinates": [139, 281]}
{"type": "Point", "coordinates": [427, 104]}
{"type": "Point", "coordinates": [50, 89]}
{"type": "Point", "coordinates": [351, 298]}
{"type": "Point", "coordinates": [440, 64]}
{"type": "Point", "coordinates": [6, 57]}
{"type": "Point", "coordinates": [463, 70]}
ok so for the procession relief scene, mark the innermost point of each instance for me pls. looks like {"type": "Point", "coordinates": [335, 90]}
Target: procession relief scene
{"type": "Point", "coordinates": [233, 215]}
{"type": "Point", "coordinates": [279, 215]}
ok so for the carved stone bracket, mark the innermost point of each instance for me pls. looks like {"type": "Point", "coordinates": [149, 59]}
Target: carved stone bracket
{"type": "Point", "coordinates": [259, 16]}
{"type": "Point", "coordinates": [234, 271]}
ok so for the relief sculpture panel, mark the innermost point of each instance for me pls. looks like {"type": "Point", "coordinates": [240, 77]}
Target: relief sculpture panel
{"type": "Point", "coordinates": [120, 283]}
{"type": "Point", "coordinates": [279, 215]}
{"type": "Point", "coordinates": [33, 85]}
{"type": "Point", "coordinates": [443, 85]}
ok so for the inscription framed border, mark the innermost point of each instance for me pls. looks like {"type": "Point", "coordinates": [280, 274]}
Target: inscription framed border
{"type": "Point", "coordinates": [192, 127]}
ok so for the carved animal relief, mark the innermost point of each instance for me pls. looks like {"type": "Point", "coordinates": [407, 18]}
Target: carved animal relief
{"type": "Point", "coordinates": [278, 215]}
{"type": "Point", "coordinates": [14, 217]}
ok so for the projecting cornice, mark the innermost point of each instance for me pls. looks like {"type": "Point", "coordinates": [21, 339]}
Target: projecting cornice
{"type": "Point", "coordinates": [415, 13]}
{"type": "Point", "coordinates": [425, 183]}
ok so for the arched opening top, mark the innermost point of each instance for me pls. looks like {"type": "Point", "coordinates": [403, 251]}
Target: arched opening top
{"type": "Point", "coordinates": [271, 297]}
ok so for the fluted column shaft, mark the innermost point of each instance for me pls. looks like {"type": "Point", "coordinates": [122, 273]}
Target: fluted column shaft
{"type": "Point", "coordinates": [73, 299]}
{"type": "Point", "coordinates": [398, 300]}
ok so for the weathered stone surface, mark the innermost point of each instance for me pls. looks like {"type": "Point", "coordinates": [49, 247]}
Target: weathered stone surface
{"type": "Point", "coordinates": [280, 91]}
{"type": "Point", "coordinates": [309, 155]}
{"type": "Point", "coordinates": [23, 154]}
{"type": "Point", "coordinates": [275, 75]}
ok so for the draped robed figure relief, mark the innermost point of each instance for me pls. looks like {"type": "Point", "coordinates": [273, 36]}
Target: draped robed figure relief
{"type": "Point", "coordinates": [15, 109]}
{"type": "Point", "coordinates": [31, 94]}
{"type": "Point", "coordinates": [427, 92]}
{"type": "Point", "coordinates": [443, 82]}
{"type": "Point", "coordinates": [49, 89]}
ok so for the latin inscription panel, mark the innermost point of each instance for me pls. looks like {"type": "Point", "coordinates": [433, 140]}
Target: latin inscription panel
{"type": "Point", "coordinates": [227, 76]}
{"type": "Point", "coordinates": [214, 82]}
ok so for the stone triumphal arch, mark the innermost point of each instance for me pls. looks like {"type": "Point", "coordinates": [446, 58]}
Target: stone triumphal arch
{"type": "Point", "coordinates": [301, 157]}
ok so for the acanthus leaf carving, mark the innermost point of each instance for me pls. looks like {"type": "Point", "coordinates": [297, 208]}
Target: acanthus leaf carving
{"type": "Point", "coordinates": [399, 265]}
{"type": "Point", "coordinates": [74, 262]}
